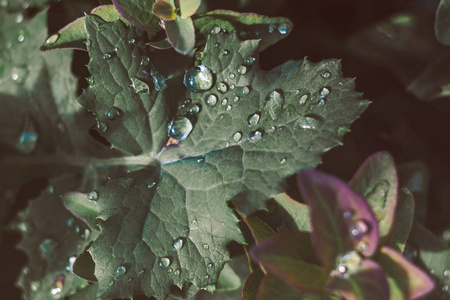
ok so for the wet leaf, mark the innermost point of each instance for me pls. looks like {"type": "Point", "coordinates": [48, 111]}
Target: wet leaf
{"type": "Point", "coordinates": [139, 13]}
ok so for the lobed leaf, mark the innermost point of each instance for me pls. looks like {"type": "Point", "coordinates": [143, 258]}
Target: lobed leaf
{"type": "Point", "coordinates": [139, 13]}
{"type": "Point", "coordinates": [341, 220]}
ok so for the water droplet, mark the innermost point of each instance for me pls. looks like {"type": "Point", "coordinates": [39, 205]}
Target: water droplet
{"type": "Point", "coordinates": [52, 39]}
{"type": "Point", "coordinates": [224, 102]}
{"type": "Point", "coordinates": [198, 79]}
{"type": "Point", "coordinates": [28, 139]}
{"type": "Point", "coordinates": [111, 282]}
{"type": "Point", "coordinates": [206, 276]}
{"type": "Point", "coordinates": [195, 109]}
{"type": "Point", "coordinates": [121, 270]}
{"type": "Point", "coordinates": [22, 35]}
{"type": "Point", "coordinates": [164, 263]}
{"type": "Point", "coordinates": [242, 70]}
{"type": "Point", "coordinates": [216, 45]}
{"type": "Point", "coordinates": [321, 102]}
{"type": "Point", "coordinates": [308, 122]}
{"type": "Point", "coordinates": [236, 99]}
{"type": "Point", "coordinates": [130, 279]}
{"type": "Point", "coordinates": [69, 222]}
{"type": "Point", "coordinates": [229, 108]}
{"type": "Point", "coordinates": [205, 246]}
{"type": "Point", "coordinates": [283, 161]}
{"type": "Point", "coordinates": [245, 90]}
{"type": "Point", "coordinates": [56, 292]}
{"type": "Point", "coordinates": [232, 76]}
{"type": "Point", "coordinates": [86, 234]}
{"type": "Point", "coordinates": [253, 119]}
{"type": "Point", "coordinates": [170, 270]}
{"type": "Point", "coordinates": [112, 113]}
{"type": "Point", "coordinates": [348, 264]}
{"type": "Point", "coordinates": [93, 195]}
{"type": "Point", "coordinates": [211, 100]}
{"type": "Point", "coordinates": [273, 104]}
{"type": "Point", "coordinates": [446, 273]}
{"type": "Point", "coordinates": [347, 214]}
{"type": "Point", "coordinates": [359, 229]}
{"type": "Point", "coordinates": [35, 286]}
{"type": "Point", "coordinates": [106, 56]}
{"type": "Point", "coordinates": [362, 246]}
{"type": "Point", "coordinates": [71, 260]}
{"type": "Point", "coordinates": [19, 74]}
{"type": "Point", "coordinates": [326, 74]}
{"type": "Point", "coordinates": [102, 126]}
{"type": "Point", "coordinates": [131, 41]}
{"type": "Point", "coordinates": [141, 271]}
{"type": "Point", "coordinates": [283, 28]}
{"type": "Point", "coordinates": [177, 272]}
{"type": "Point", "coordinates": [90, 80]}
{"type": "Point", "coordinates": [222, 87]}
{"type": "Point", "coordinates": [177, 244]}
{"type": "Point", "coordinates": [324, 92]}
{"type": "Point", "coordinates": [237, 136]}
{"type": "Point", "coordinates": [215, 30]}
{"type": "Point", "coordinates": [180, 128]}
{"type": "Point", "coordinates": [210, 265]}
{"type": "Point", "coordinates": [272, 28]}
{"type": "Point", "coordinates": [303, 99]}
{"type": "Point", "coordinates": [271, 129]}
{"type": "Point", "coordinates": [249, 61]}
{"type": "Point", "coordinates": [255, 136]}
{"type": "Point", "coordinates": [151, 184]}
{"type": "Point", "coordinates": [139, 86]}
{"type": "Point", "coordinates": [445, 288]}
{"type": "Point", "coordinates": [225, 52]}
{"type": "Point", "coordinates": [48, 247]}
{"type": "Point", "coordinates": [145, 60]}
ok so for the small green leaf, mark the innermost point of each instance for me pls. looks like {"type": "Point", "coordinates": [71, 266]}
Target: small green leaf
{"type": "Point", "coordinates": [139, 13]}
{"type": "Point", "coordinates": [403, 220]}
{"type": "Point", "coordinates": [181, 34]}
{"type": "Point", "coordinates": [404, 278]}
{"type": "Point", "coordinates": [73, 36]}
{"type": "Point", "coordinates": [188, 7]}
{"type": "Point", "coordinates": [251, 285]}
{"type": "Point", "coordinates": [83, 207]}
{"type": "Point", "coordinates": [164, 10]}
{"type": "Point", "coordinates": [228, 279]}
{"type": "Point", "coordinates": [376, 181]}
{"type": "Point", "coordinates": [296, 213]}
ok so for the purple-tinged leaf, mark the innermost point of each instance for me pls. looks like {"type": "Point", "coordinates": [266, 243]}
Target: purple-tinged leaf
{"type": "Point", "coordinates": [368, 282]}
{"type": "Point", "coordinates": [376, 181]}
{"type": "Point", "coordinates": [260, 230]}
{"type": "Point", "coordinates": [181, 34]}
{"type": "Point", "coordinates": [290, 255]}
{"type": "Point", "coordinates": [139, 13]}
{"type": "Point", "coordinates": [404, 216]}
{"type": "Point", "coordinates": [341, 220]}
{"type": "Point", "coordinates": [403, 276]}
{"type": "Point", "coordinates": [297, 214]}
{"type": "Point", "coordinates": [163, 10]}
{"type": "Point", "coordinates": [251, 285]}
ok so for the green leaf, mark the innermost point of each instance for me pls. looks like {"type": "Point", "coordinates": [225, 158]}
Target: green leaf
{"type": "Point", "coordinates": [81, 207]}
{"type": "Point", "coordinates": [405, 280]}
{"type": "Point", "coordinates": [403, 221]}
{"type": "Point", "coordinates": [84, 267]}
{"type": "Point", "coordinates": [181, 34]}
{"type": "Point", "coordinates": [122, 98]}
{"type": "Point", "coordinates": [442, 22]}
{"type": "Point", "coordinates": [296, 214]}
{"type": "Point", "coordinates": [139, 13]}
{"type": "Point", "coordinates": [164, 10]}
{"type": "Point", "coordinates": [74, 35]}
{"type": "Point", "coordinates": [188, 7]}
{"type": "Point", "coordinates": [247, 25]}
{"type": "Point", "coordinates": [290, 255]}
{"type": "Point", "coordinates": [376, 181]}
{"type": "Point", "coordinates": [251, 285]}
{"type": "Point", "coordinates": [258, 228]}
{"type": "Point", "coordinates": [51, 244]}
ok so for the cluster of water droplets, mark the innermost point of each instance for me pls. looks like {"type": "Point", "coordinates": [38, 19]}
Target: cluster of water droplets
{"type": "Point", "coordinates": [359, 229]}
{"type": "Point", "coordinates": [348, 264]}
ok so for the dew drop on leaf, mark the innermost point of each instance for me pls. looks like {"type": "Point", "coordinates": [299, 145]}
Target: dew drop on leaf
{"type": "Point", "coordinates": [211, 100]}
{"type": "Point", "coordinates": [210, 265]}
{"type": "Point", "coordinates": [216, 45]}
{"type": "Point", "coordinates": [229, 108]}
{"type": "Point", "coordinates": [112, 113]}
{"type": "Point", "coordinates": [225, 52]}
{"type": "Point", "coordinates": [249, 61]}
{"type": "Point", "coordinates": [308, 122]}
{"type": "Point", "coordinates": [326, 74]}
{"type": "Point", "coordinates": [271, 129]}
{"type": "Point", "coordinates": [348, 264]}
{"type": "Point", "coordinates": [245, 90]}
{"type": "Point", "coordinates": [272, 28]}
{"type": "Point", "coordinates": [170, 270]}
{"type": "Point", "coordinates": [177, 244]}
{"type": "Point", "coordinates": [205, 246]}
{"type": "Point", "coordinates": [180, 128]}
{"type": "Point", "coordinates": [70, 261]}
{"type": "Point", "coordinates": [303, 99]}
{"type": "Point", "coordinates": [93, 195]}
{"type": "Point", "coordinates": [253, 119]}
{"type": "Point", "coordinates": [273, 104]}
{"type": "Point", "coordinates": [446, 273]}
{"type": "Point", "coordinates": [236, 99]}
{"type": "Point", "coordinates": [151, 184]}
{"type": "Point", "coordinates": [232, 87]}
{"type": "Point", "coordinates": [130, 279]}
{"type": "Point", "coordinates": [347, 214]}
{"type": "Point", "coordinates": [111, 282]}
{"type": "Point", "coordinates": [237, 136]}
{"type": "Point", "coordinates": [324, 92]}
{"type": "Point", "coordinates": [164, 263]}
{"type": "Point", "coordinates": [242, 70]}
{"type": "Point", "coordinates": [177, 272]}
{"type": "Point", "coordinates": [255, 136]}
{"type": "Point", "coordinates": [106, 56]}
{"type": "Point", "coordinates": [35, 286]}
{"type": "Point", "coordinates": [232, 76]}
{"type": "Point", "coordinates": [206, 276]}
{"type": "Point", "coordinates": [362, 246]}
{"type": "Point", "coordinates": [48, 247]}
{"type": "Point", "coordinates": [321, 102]}
{"type": "Point", "coordinates": [283, 29]}
{"type": "Point", "coordinates": [222, 87]}
{"type": "Point", "coordinates": [215, 30]}
{"type": "Point", "coordinates": [141, 271]}
{"type": "Point", "coordinates": [283, 161]}
{"type": "Point", "coordinates": [224, 102]}
{"type": "Point", "coordinates": [86, 234]}
{"type": "Point", "coordinates": [102, 126]}
{"type": "Point", "coordinates": [195, 109]}
{"type": "Point", "coordinates": [198, 79]}
{"type": "Point", "coordinates": [359, 229]}
{"type": "Point", "coordinates": [90, 80]}
{"type": "Point", "coordinates": [131, 41]}
{"type": "Point", "coordinates": [145, 60]}
{"type": "Point", "coordinates": [121, 270]}
{"type": "Point", "coordinates": [52, 39]}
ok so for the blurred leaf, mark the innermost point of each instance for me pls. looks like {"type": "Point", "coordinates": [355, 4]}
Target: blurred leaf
{"type": "Point", "coordinates": [73, 35]}
{"type": "Point", "coordinates": [84, 267]}
{"type": "Point", "coordinates": [367, 283]}
{"type": "Point", "coordinates": [251, 285]}
{"type": "Point", "coordinates": [442, 22]}
{"type": "Point", "coordinates": [139, 13]}
{"type": "Point", "coordinates": [181, 34]}
{"type": "Point", "coordinates": [341, 220]}
{"type": "Point", "coordinates": [87, 293]}
{"type": "Point", "coordinates": [290, 255]}
{"type": "Point", "coordinates": [189, 7]}
{"type": "Point", "coordinates": [296, 213]}
{"type": "Point", "coordinates": [164, 10]}
{"type": "Point", "coordinates": [258, 228]}
{"type": "Point", "coordinates": [376, 181]}
{"type": "Point", "coordinates": [404, 278]}
{"type": "Point", "coordinates": [403, 220]}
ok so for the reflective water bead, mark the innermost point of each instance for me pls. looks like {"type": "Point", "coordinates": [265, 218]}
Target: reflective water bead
{"type": "Point", "coordinates": [164, 263]}
{"type": "Point", "coordinates": [93, 195]}
{"type": "Point", "coordinates": [271, 129]}
{"type": "Point", "coordinates": [198, 79]}
{"type": "Point", "coordinates": [151, 184]}
{"type": "Point", "coordinates": [195, 109]}
{"type": "Point", "coordinates": [86, 234]}
{"type": "Point", "coordinates": [224, 102]}
{"type": "Point", "coordinates": [446, 273]}
{"type": "Point", "coordinates": [255, 136]}
{"type": "Point", "coordinates": [232, 76]}
{"type": "Point", "coordinates": [347, 214]}
{"type": "Point", "coordinates": [253, 119]}
{"type": "Point", "coordinates": [359, 229]}
{"type": "Point", "coordinates": [303, 99]}
{"type": "Point", "coordinates": [237, 136]}
{"type": "Point", "coordinates": [130, 279]}
{"type": "Point", "coordinates": [249, 61]}
{"type": "Point", "coordinates": [177, 244]}
{"type": "Point", "coordinates": [206, 276]}
{"type": "Point", "coordinates": [35, 286]}
{"type": "Point", "coordinates": [111, 282]}
{"type": "Point", "coordinates": [222, 87]}
{"type": "Point", "coordinates": [362, 246]}
{"type": "Point", "coordinates": [225, 52]}
{"type": "Point", "coordinates": [283, 28]}
{"type": "Point", "coordinates": [242, 70]}
{"type": "Point", "coordinates": [205, 246]}
{"type": "Point", "coordinates": [216, 45]}
{"type": "Point", "coordinates": [348, 264]}
{"type": "Point", "coordinates": [211, 100]}
{"type": "Point", "coordinates": [102, 126]}
{"type": "Point", "coordinates": [121, 270]}
{"type": "Point", "coordinates": [273, 104]}
{"type": "Point", "coordinates": [141, 271]}
{"type": "Point", "coordinates": [145, 60]}
{"type": "Point", "coordinates": [70, 261]}
{"type": "Point", "coordinates": [272, 28]}
{"type": "Point", "coordinates": [229, 108]}
{"type": "Point", "coordinates": [283, 161]}
{"type": "Point", "coordinates": [131, 41]}
{"type": "Point", "coordinates": [90, 80]}
{"type": "Point", "coordinates": [170, 270]}
{"type": "Point", "coordinates": [177, 272]}
{"type": "Point", "coordinates": [232, 87]}
{"type": "Point", "coordinates": [326, 74]}
{"type": "Point", "coordinates": [51, 39]}
{"type": "Point", "coordinates": [112, 113]}
{"type": "Point", "coordinates": [324, 92]}
{"type": "Point", "coordinates": [236, 99]}
{"type": "Point", "coordinates": [210, 265]}
{"type": "Point", "coordinates": [215, 30]}
{"type": "Point", "coordinates": [245, 91]}
{"type": "Point", "coordinates": [321, 102]}
{"type": "Point", "coordinates": [106, 56]}
{"type": "Point", "coordinates": [308, 122]}
{"type": "Point", "coordinates": [180, 128]}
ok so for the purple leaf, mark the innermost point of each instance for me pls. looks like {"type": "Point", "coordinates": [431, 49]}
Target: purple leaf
{"type": "Point", "coordinates": [290, 256]}
{"type": "Point", "coordinates": [403, 275]}
{"type": "Point", "coordinates": [376, 181]}
{"type": "Point", "coordinates": [341, 220]}
{"type": "Point", "coordinates": [368, 282]}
